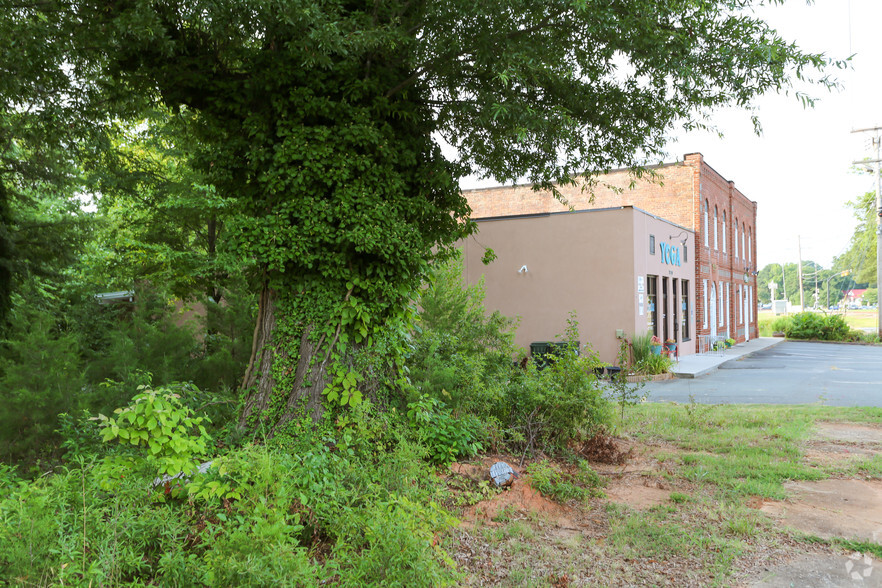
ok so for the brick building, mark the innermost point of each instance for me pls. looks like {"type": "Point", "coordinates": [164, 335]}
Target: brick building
{"type": "Point", "coordinates": [617, 268]}
{"type": "Point", "coordinates": [689, 193]}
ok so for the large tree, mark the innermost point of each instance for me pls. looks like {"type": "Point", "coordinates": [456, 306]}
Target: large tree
{"type": "Point", "coordinates": [861, 254]}
{"type": "Point", "coordinates": [323, 120]}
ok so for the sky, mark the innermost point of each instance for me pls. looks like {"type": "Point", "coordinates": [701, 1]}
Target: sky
{"type": "Point", "coordinates": [800, 170]}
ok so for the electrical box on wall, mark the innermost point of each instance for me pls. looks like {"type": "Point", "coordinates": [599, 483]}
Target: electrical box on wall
{"type": "Point", "coordinates": [620, 333]}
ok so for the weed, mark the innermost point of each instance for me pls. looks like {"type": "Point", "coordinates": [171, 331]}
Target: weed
{"type": "Point", "coordinates": [465, 492]}
{"type": "Point", "coordinates": [679, 497]}
{"type": "Point", "coordinates": [505, 514]}
{"type": "Point", "coordinates": [625, 393]}
{"type": "Point", "coordinates": [697, 413]}
{"type": "Point", "coordinates": [555, 483]}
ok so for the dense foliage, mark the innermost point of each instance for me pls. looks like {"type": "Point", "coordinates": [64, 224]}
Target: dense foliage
{"type": "Point", "coordinates": [861, 253]}
{"type": "Point", "coordinates": [299, 144]}
{"type": "Point", "coordinates": [816, 326]}
{"type": "Point", "coordinates": [277, 167]}
{"type": "Point", "coordinates": [358, 503]}
{"type": "Point", "coordinates": [89, 356]}
{"type": "Point", "coordinates": [462, 357]}
{"type": "Point", "coordinates": [360, 491]}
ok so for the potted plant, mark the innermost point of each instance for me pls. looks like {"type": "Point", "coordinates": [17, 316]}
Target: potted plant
{"type": "Point", "coordinates": [730, 342]}
{"type": "Point", "coordinates": [656, 345]}
{"type": "Point", "coordinates": [671, 345]}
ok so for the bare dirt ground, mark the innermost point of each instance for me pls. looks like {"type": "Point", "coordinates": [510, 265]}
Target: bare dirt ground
{"type": "Point", "coordinates": [520, 538]}
{"type": "Point", "coordinates": [848, 508]}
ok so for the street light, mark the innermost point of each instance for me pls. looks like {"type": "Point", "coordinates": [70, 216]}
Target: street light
{"type": "Point", "coordinates": [840, 274]}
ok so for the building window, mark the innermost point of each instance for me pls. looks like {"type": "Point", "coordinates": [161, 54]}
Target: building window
{"type": "Point", "coordinates": [652, 314]}
{"type": "Point", "coordinates": [706, 226]}
{"type": "Point", "coordinates": [749, 245]}
{"type": "Point", "coordinates": [743, 235]}
{"type": "Point", "coordinates": [652, 244]}
{"type": "Point", "coordinates": [716, 232]}
{"type": "Point", "coordinates": [720, 319]}
{"type": "Point", "coordinates": [684, 307]}
{"type": "Point", "coordinates": [723, 228]}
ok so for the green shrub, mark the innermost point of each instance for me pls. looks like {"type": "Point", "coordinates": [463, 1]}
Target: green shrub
{"type": "Point", "coordinates": [549, 407]}
{"type": "Point", "coordinates": [810, 325]}
{"type": "Point", "coordinates": [781, 324]}
{"type": "Point", "coordinates": [445, 437]}
{"type": "Point", "coordinates": [459, 354]}
{"type": "Point", "coordinates": [462, 359]}
{"type": "Point", "coordinates": [654, 364]}
{"type": "Point", "coordinates": [64, 529]}
{"type": "Point", "coordinates": [765, 327]}
{"type": "Point", "coordinates": [41, 375]}
{"type": "Point", "coordinates": [365, 503]}
{"type": "Point", "coordinates": [147, 339]}
{"type": "Point", "coordinates": [557, 484]}
{"type": "Point", "coordinates": [641, 345]}
{"type": "Point", "coordinates": [172, 437]}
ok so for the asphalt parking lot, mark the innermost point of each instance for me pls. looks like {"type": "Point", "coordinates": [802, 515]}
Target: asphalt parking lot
{"type": "Point", "coordinates": [792, 372]}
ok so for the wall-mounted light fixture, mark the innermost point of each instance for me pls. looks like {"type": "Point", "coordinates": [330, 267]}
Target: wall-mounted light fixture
{"type": "Point", "coordinates": [677, 236]}
{"type": "Point", "coordinates": [523, 269]}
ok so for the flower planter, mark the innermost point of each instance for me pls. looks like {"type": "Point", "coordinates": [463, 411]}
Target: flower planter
{"type": "Point", "coordinates": [656, 349]}
{"type": "Point", "coordinates": [613, 371]}
{"type": "Point", "coordinates": [671, 347]}
{"type": "Point", "coordinates": [598, 372]}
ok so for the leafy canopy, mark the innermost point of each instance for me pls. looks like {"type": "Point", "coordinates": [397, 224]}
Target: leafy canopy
{"type": "Point", "coordinates": [318, 124]}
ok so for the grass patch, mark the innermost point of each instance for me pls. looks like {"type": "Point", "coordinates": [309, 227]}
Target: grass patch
{"type": "Point", "coordinates": [869, 467]}
{"type": "Point", "coordinates": [665, 532]}
{"type": "Point", "coordinates": [679, 497]}
{"type": "Point", "coordinates": [553, 482]}
{"type": "Point", "coordinates": [717, 458]}
{"type": "Point", "coordinates": [743, 450]}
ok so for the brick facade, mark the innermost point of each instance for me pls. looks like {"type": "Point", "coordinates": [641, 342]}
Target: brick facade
{"type": "Point", "coordinates": [679, 193]}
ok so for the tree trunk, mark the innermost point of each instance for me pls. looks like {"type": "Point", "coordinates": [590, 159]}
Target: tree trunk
{"type": "Point", "coordinates": [270, 368]}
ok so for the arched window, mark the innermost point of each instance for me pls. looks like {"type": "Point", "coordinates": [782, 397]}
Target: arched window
{"type": "Point", "coordinates": [743, 237]}
{"type": "Point", "coordinates": [723, 227]}
{"type": "Point", "coordinates": [716, 232]}
{"type": "Point", "coordinates": [706, 223]}
{"type": "Point", "coordinates": [749, 245]}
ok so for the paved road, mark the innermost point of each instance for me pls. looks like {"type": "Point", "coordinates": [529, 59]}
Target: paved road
{"type": "Point", "coordinates": [789, 373]}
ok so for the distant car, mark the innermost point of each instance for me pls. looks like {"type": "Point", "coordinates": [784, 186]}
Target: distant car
{"type": "Point", "coordinates": [834, 307]}
{"type": "Point", "coordinates": [766, 306]}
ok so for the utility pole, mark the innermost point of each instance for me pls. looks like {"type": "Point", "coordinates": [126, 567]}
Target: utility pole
{"type": "Point", "coordinates": [784, 284]}
{"type": "Point", "coordinates": [877, 143]}
{"type": "Point", "coordinates": [799, 273]}
{"type": "Point", "coordinates": [840, 274]}
{"type": "Point", "coordinates": [817, 292]}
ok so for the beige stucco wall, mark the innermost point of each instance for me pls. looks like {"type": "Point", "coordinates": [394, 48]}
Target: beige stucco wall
{"type": "Point", "coordinates": [587, 262]}
{"type": "Point", "coordinates": [646, 264]}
